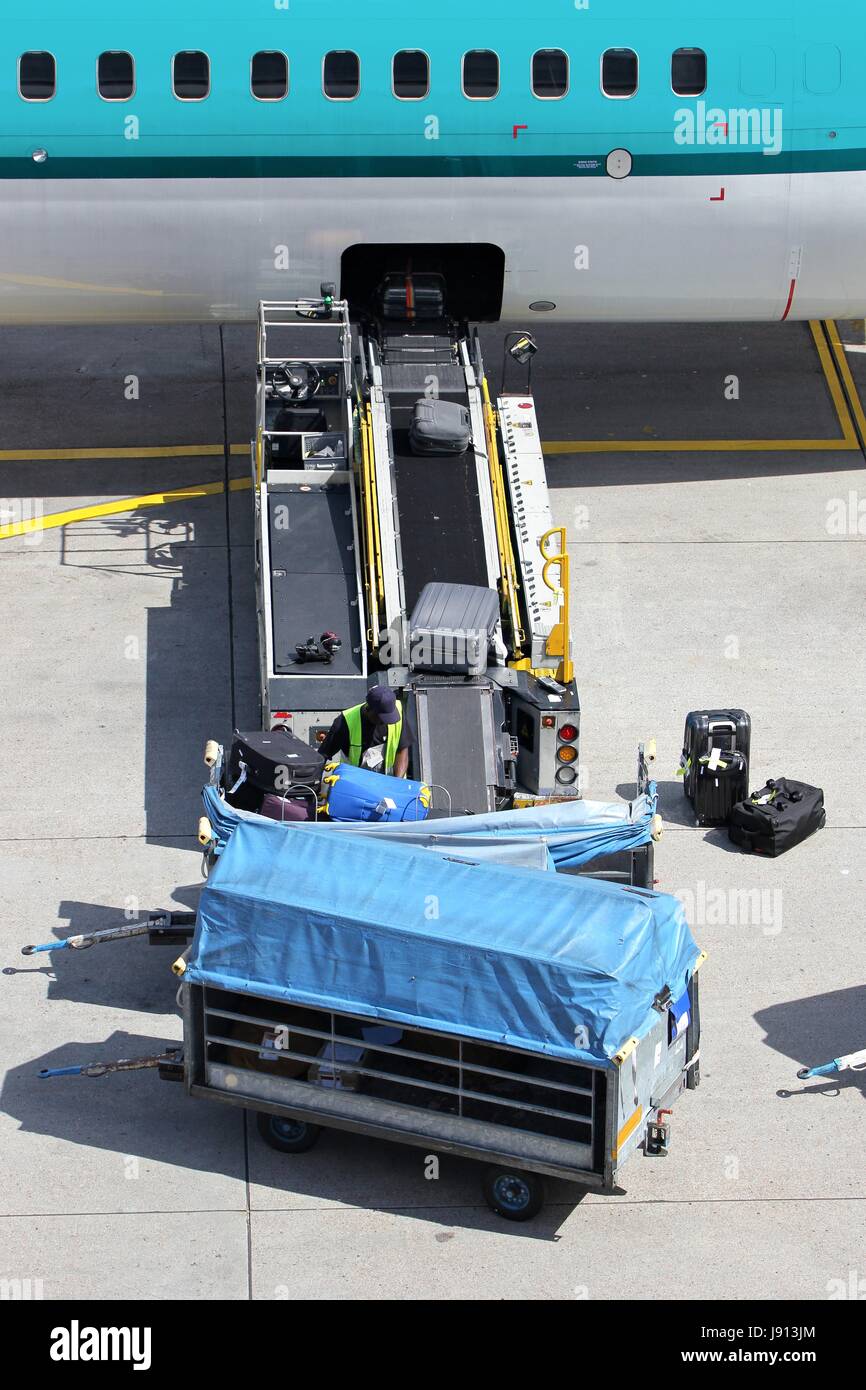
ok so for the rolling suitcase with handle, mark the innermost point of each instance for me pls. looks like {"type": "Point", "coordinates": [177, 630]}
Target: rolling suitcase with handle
{"type": "Point", "coordinates": [352, 793]}
{"type": "Point", "coordinates": [273, 761]}
{"type": "Point", "coordinates": [721, 780]}
{"type": "Point", "coordinates": [710, 734]}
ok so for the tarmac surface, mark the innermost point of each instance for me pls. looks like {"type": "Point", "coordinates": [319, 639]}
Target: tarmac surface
{"type": "Point", "coordinates": [716, 539]}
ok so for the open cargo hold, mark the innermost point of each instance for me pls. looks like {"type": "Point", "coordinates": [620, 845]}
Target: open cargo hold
{"type": "Point", "coordinates": [467, 1007]}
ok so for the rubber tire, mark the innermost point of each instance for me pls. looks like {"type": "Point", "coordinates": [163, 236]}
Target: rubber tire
{"type": "Point", "coordinates": [268, 1126]}
{"type": "Point", "coordinates": [534, 1193]}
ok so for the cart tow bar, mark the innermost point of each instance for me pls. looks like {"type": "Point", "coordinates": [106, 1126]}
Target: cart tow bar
{"type": "Point", "coordinates": [169, 1061]}
{"type": "Point", "coordinates": [163, 928]}
{"type": "Point", "coordinates": [855, 1061]}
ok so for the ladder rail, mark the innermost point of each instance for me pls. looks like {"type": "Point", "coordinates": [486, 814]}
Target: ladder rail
{"type": "Point", "coordinates": [374, 583]}
{"type": "Point", "coordinates": [507, 566]}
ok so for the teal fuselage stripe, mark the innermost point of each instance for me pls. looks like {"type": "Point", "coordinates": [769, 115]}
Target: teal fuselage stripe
{"type": "Point", "coordinates": [431, 166]}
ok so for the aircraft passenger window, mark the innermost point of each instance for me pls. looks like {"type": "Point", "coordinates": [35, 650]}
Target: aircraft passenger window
{"type": "Point", "coordinates": [115, 76]}
{"type": "Point", "coordinates": [37, 76]}
{"type": "Point", "coordinates": [619, 72]}
{"type": "Point", "coordinates": [549, 73]}
{"type": "Point", "coordinates": [411, 74]}
{"type": "Point", "coordinates": [269, 75]}
{"type": "Point", "coordinates": [191, 75]}
{"type": "Point", "coordinates": [480, 74]}
{"type": "Point", "coordinates": [689, 72]}
{"type": "Point", "coordinates": [341, 75]}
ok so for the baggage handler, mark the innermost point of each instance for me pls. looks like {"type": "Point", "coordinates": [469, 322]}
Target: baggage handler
{"type": "Point", "coordinates": [373, 734]}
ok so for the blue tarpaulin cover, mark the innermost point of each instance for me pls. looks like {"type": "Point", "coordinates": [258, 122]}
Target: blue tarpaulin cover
{"type": "Point", "coordinates": [395, 933]}
{"type": "Point", "coordinates": [573, 832]}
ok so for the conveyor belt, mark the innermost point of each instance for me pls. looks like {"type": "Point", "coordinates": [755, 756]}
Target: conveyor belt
{"type": "Point", "coordinates": [456, 744]}
{"type": "Point", "coordinates": [441, 532]}
{"type": "Point", "coordinates": [313, 578]}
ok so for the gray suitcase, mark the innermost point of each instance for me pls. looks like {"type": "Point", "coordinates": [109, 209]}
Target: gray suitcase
{"type": "Point", "coordinates": [452, 627]}
{"type": "Point", "coordinates": [439, 427]}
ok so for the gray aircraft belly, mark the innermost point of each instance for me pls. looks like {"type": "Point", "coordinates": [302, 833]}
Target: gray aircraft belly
{"type": "Point", "coordinates": [142, 250]}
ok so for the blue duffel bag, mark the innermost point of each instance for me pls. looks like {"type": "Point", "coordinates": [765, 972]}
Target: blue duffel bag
{"type": "Point", "coordinates": [357, 793]}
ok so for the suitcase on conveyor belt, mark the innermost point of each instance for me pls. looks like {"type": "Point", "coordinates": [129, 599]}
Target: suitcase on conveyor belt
{"type": "Point", "coordinates": [777, 817]}
{"type": "Point", "coordinates": [452, 627]}
{"type": "Point", "coordinates": [439, 427]}
{"type": "Point", "coordinates": [352, 793]}
{"type": "Point", "coordinates": [274, 761]}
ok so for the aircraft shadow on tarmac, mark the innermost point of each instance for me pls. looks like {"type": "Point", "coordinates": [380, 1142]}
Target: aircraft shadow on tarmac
{"type": "Point", "coordinates": [815, 1029]}
{"type": "Point", "coordinates": [139, 1116]}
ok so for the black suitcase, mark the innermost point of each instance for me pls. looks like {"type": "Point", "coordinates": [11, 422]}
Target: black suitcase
{"type": "Point", "coordinates": [412, 297]}
{"type": "Point", "coordinates": [274, 761]}
{"type": "Point", "coordinates": [726, 729]}
{"type": "Point", "coordinates": [777, 817]}
{"type": "Point", "coordinates": [439, 427]}
{"type": "Point", "coordinates": [717, 789]}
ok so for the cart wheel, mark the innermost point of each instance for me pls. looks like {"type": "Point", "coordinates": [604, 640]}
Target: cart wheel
{"type": "Point", "coordinates": [287, 1135]}
{"type": "Point", "coordinates": [515, 1195]}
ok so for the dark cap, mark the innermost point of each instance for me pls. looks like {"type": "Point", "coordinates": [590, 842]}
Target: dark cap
{"type": "Point", "coordinates": [382, 704]}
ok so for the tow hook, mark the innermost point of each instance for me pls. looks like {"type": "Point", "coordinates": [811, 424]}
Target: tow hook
{"type": "Point", "coordinates": [658, 1135]}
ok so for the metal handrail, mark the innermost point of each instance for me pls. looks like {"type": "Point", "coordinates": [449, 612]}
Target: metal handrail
{"type": "Point", "coordinates": [558, 642]}
{"type": "Point", "coordinates": [374, 500]}
{"type": "Point", "coordinates": [371, 580]}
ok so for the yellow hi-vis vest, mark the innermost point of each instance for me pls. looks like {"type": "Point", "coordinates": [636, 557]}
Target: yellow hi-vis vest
{"type": "Point", "coordinates": [392, 743]}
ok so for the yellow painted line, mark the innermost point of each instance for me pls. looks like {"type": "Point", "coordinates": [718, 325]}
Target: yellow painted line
{"type": "Point", "coordinates": [49, 283]}
{"type": "Point", "coordinates": [834, 384]}
{"type": "Point", "coordinates": [848, 439]}
{"type": "Point", "coordinates": [144, 451]}
{"type": "Point", "coordinates": [628, 1128]}
{"type": "Point", "coordinates": [124, 504]}
{"type": "Point", "coordinates": [690, 446]}
{"type": "Point", "coordinates": [848, 382]}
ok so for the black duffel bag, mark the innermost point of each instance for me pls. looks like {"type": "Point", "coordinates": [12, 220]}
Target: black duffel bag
{"type": "Point", "coordinates": [777, 817]}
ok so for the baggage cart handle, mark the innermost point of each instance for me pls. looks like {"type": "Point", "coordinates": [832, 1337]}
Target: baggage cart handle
{"type": "Point", "coordinates": [153, 922]}
{"type": "Point", "coordinates": [854, 1061]}
{"type": "Point", "coordinates": [170, 1057]}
